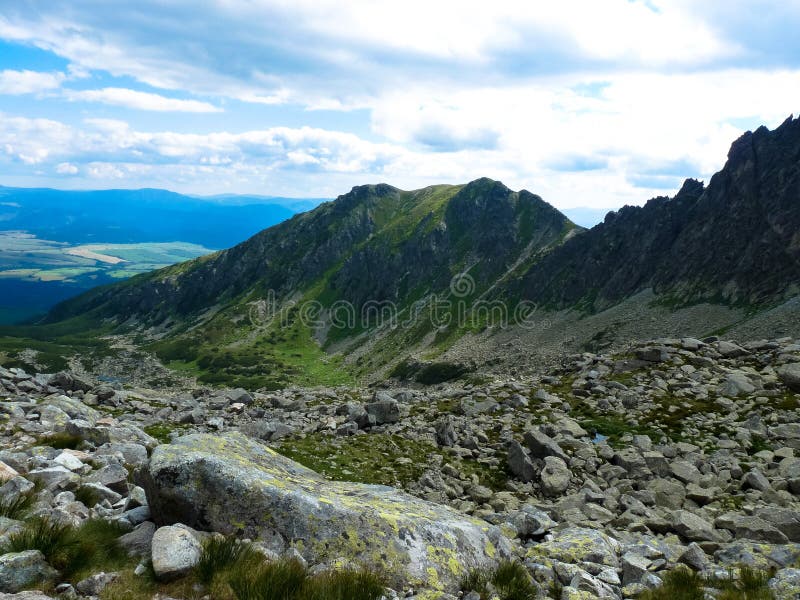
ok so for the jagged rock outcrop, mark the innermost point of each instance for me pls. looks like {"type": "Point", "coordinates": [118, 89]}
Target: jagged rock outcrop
{"type": "Point", "coordinates": [735, 241]}
{"type": "Point", "coordinates": [233, 484]}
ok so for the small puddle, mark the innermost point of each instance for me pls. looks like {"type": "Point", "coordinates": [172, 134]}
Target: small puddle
{"type": "Point", "coordinates": [599, 438]}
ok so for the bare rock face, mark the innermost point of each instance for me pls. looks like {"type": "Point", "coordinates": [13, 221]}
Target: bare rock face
{"type": "Point", "coordinates": [233, 484]}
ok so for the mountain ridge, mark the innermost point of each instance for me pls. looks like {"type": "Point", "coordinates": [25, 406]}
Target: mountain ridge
{"type": "Point", "coordinates": [479, 248]}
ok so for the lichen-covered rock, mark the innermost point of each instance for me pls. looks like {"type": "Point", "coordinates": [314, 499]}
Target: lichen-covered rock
{"type": "Point", "coordinates": [231, 483]}
{"type": "Point", "coordinates": [20, 570]}
{"type": "Point", "coordinates": [577, 544]}
{"type": "Point", "coordinates": [786, 583]}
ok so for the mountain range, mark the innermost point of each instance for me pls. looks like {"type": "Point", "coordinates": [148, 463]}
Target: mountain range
{"type": "Point", "coordinates": [388, 281]}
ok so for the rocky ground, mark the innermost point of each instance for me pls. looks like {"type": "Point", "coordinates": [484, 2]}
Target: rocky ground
{"type": "Point", "coordinates": [600, 476]}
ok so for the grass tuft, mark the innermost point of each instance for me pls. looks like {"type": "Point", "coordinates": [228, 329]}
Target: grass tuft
{"type": "Point", "coordinates": [70, 550]}
{"type": "Point", "coordinates": [61, 441]}
{"type": "Point", "coordinates": [223, 554]}
{"type": "Point", "coordinates": [683, 584]}
{"type": "Point", "coordinates": [16, 507]}
{"type": "Point", "coordinates": [509, 581]}
{"type": "Point", "coordinates": [278, 580]}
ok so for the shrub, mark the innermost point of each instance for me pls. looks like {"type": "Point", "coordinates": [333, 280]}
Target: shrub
{"type": "Point", "coordinates": [512, 582]}
{"type": "Point", "coordinates": [683, 584]}
{"type": "Point", "coordinates": [439, 372]}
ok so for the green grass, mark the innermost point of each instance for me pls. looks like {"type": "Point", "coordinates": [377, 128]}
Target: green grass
{"type": "Point", "coordinates": [290, 580]}
{"type": "Point", "coordinates": [279, 580]}
{"type": "Point", "coordinates": [683, 584]}
{"type": "Point", "coordinates": [373, 458]}
{"type": "Point", "coordinates": [509, 581]}
{"type": "Point", "coordinates": [17, 507]}
{"type": "Point", "coordinates": [160, 431]}
{"type": "Point", "coordinates": [61, 441]}
{"type": "Point", "coordinates": [72, 551]}
{"type": "Point", "coordinates": [222, 554]}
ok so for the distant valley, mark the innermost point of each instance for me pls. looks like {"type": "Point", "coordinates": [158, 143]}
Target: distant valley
{"type": "Point", "coordinates": [55, 244]}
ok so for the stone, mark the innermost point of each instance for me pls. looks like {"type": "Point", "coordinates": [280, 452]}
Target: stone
{"type": "Point", "coordinates": [786, 583]}
{"type": "Point", "coordinates": [20, 570]}
{"type": "Point", "coordinates": [755, 480]}
{"type": "Point", "coordinates": [736, 384]}
{"type": "Point", "coordinates": [634, 567]}
{"type": "Point", "coordinates": [114, 476]}
{"type": "Point", "coordinates": [385, 411]}
{"type": "Point", "coordinates": [174, 551]}
{"type": "Point", "coordinates": [94, 585]}
{"type": "Point", "coordinates": [576, 545]}
{"type": "Point", "coordinates": [785, 520]}
{"type": "Point", "coordinates": [541, 445]}
{"type": "Point", "coordinates": [555, 476]}
{"type": "Point", "coordinates": [139, 541]}
{"type": "Point", "coordinates": [694, 557]}
{"type": "Point", "coordinates": [691, 527]}
{"type": "Point", "coordinates": [232, 484]}
{"type": "Point", "coordinates": [531, 522]}
{"type": "Point", "coordinates": [519, 463]}
{"type": "Point", "coordinates": [790, 376]}
{"type": "Point", "coordinates": [685, 471]}
{"type": "Point", "coordinates": [730, 350]}
{"type": "Point", "coordinates": [668, 493]}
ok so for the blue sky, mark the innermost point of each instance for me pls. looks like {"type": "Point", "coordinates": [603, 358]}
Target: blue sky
{"type": "Point", "coordinates": [593, 103]}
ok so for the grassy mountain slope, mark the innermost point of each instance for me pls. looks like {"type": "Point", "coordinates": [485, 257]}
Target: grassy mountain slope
{"type": "Point", "coordinates": [376, 247]}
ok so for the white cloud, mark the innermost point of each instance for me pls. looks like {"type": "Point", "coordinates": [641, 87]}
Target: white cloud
{"type": "Point", "coordinates": [140, 100]}
{"type": "Point", "coordinates": [587, 103]}
{"type": "Point", "coordinates": [66, 168]}
{"type": "Point", "coordinates": [28, 82]}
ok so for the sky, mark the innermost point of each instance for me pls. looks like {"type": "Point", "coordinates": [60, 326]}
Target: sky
{"type": "Point", "coordinates": [595, 103]}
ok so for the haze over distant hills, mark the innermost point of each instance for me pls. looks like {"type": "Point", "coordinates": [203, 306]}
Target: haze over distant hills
{"type": "Point", "coordinates": [55, 244]}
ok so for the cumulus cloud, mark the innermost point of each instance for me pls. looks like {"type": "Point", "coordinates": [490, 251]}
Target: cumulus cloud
{"type": "Point", "coordinates": [586, 103]}
{"type": "Point", "coordinates": [28, 82]}
{"type": "Point", "coordinates": [140, 100]}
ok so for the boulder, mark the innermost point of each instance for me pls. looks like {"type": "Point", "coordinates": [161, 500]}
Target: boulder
{"type": "Point", "coordinates": [790, 376]}
{"type": "Point", "coordinates": [174, 552]}
{"type": "Point", "coordinates": [576, 545]}
{"type": "Point", "coordinates": [519, 463]}
{"type": "Point", "coordinates": [541, 445]}
{"type": "Point", "coordinates": [555, 476]}
{"type": "Point", "coordinates": [20, 570]}
{"type": "Point", "coordinates": [385, 410]}
{"type": "Point", "coordinates": [232, 484]}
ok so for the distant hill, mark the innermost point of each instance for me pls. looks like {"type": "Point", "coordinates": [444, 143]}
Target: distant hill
{"type": "Point", "coordinates": [43, 234]}
{"type": "Point", "coordinates": [145, 215]}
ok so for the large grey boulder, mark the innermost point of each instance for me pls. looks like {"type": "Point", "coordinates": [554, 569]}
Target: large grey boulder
{"type": "Point", "coordinates": [20, 570]}
{"type": "Point", "coordinates": [233, 484]}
